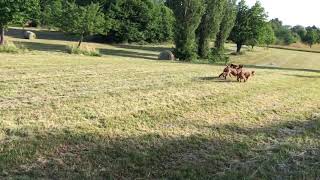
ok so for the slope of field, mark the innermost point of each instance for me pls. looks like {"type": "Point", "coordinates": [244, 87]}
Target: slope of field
{"type": "Point", "coordinates": [127, 116]}
{"type": "Point", "coordinates": [279, 58]}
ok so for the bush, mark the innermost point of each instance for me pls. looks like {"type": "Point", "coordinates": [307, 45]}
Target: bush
{"type": "Point", "coordinates": [218, 56]}
{"type": "Point", "coordinates": [10, 47]}
{"type": "Point", "coordinates": [83, 50]}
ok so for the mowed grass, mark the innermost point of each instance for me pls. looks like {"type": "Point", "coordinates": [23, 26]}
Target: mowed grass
{"type": "Point", "coordinates": [127, 116]}
{"type": "Point", "coordinates": [278, 58]}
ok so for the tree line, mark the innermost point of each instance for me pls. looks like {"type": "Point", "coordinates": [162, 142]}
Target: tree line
{"type": "Point", "coordinates": [198, 28]}
{"type": "Point", "coordinates": [288, 35]}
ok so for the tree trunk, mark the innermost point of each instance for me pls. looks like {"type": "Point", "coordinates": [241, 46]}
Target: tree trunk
{"type": "Point", "coordinates": [1, 35]}
{"type": "Point", "coordinates": [239, 46]}
{"type": "Point", "coordinates": [80, 41]}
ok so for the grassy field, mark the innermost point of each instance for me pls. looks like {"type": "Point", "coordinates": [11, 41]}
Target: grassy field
{"type": "Point", "coordinates": [127, 116]}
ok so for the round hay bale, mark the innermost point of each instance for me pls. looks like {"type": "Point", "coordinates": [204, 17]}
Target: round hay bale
{"type": "Point", "coordinates": [30, 35]}
{"type": "Point", "coordinates": [166, 55]}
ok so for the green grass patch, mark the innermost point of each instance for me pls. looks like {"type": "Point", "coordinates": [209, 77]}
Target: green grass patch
{"type": "Point", "coordinates": [83, 50]}
{"type": "Point", "coordinates": [10, 47]}
{"type": "Point", "coordinates": [127, 116]}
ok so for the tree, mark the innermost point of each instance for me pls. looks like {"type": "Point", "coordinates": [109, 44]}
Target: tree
{"type": "Point", "coordinates": [300, 30]}
{"type": "Point", "coordinates": [140, 20]}
{"type": "Point", "coordinates": [268, 35]}
{"type": "Point", "coordinates": [209, 26]}
{"type": "Point", "coordinates": [82, 20]}
{"type": "Point", "coordinates": [311, 37]}
{"type": "Point", "coordinates": [257, 20]}
{"type": "Point", "coordinates": [226, 24]}
{"type": "Point", "coordinates": [284, 34]}
{"type": "Point", "coordinates": [240, 33]}
{"type": "Point", "coordinates": [51, 13]}
{"type": "Point", "coordinates": [12, 10]}
{"type": "Point", "coordinates": [188, 15]}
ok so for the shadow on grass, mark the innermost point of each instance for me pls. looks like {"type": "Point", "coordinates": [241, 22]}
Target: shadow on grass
{"type": "Point", "coordinates": [43, 46]}
{"type": "Point", "coordinates": [38, 46]}
{"type": "Point", "coordinates": [41, 34]}
{"type": "Point", "coordinates": [271, 67]}
{"type": "Point", "coordinates": [216, 79]}
{"type": "Point", "coordinates": [128, 54]}
{"type": "Point", "coordinates": [303, 76]}
{"type": "Point", "coordinates": [265, 153]}
{"type": "Point", "coordinates": [146, 48]}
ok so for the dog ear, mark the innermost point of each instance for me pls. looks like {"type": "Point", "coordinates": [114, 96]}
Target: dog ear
{"type": "Point", "coordinates": [253, 72]}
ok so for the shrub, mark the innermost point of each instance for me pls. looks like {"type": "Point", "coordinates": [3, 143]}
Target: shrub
{"type": "Point", "coordinates": [10, 47]}
{"type": "Point", "coordinates": [218, 56]}
{"type": "Point", "coordinates": [83, 50]}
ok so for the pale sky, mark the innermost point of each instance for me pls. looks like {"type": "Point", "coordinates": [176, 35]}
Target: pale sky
{"type": "Point", "coordinates": [292, 12]}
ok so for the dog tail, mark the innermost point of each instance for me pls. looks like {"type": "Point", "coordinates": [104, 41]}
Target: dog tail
{"type": "Point", "coordinates": [253, 73]}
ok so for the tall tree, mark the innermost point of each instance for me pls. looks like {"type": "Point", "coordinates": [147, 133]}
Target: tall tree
{"type": "Point", "coordinates": [257, 24]}
{"type": "Point", "coordinates": [241, 30]}
{"type": "Point", "coordinates": [268, 36]}
{"type": "Point", "coordinates": [209, 26]}
{"type": "Point", "coordinates": [311, 37]}
{"type": "Point", "coordinates": [300, 30]}
{"type": "Point", "coordinates": [140, 20]}
{"type": "Point", "coordinates": [227, 23]}
{"type": "Point", "coordinates": [188, 15]}
{"type": "Point", "coordinates": [51, 13]}
{"type": "Point", "coordinates": [82, 20]}
{"type": "Point", "coordinates": [12, 10]}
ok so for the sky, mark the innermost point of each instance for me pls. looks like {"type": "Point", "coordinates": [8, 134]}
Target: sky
{"type": "Point", "coordinates": [292, 12]}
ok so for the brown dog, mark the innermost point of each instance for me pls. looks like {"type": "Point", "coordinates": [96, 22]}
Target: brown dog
{"type": "Point", "coordinates": [231, 70]}
{"type": "Point", "coordinates": [244, 75]}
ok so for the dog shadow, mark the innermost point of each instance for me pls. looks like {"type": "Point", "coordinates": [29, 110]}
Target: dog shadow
{"type": "Point", "coordinates": [216, 79]}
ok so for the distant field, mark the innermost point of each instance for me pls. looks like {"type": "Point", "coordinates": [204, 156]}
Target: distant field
{"type": "Point", "coordinates": [301, 46]}
{"type": "Point", "coordinates": [279, 58]}
{"type": "Point", "coordinates": [128, 116]}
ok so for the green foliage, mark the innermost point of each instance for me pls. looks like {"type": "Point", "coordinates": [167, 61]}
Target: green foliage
{"type": "Point", "coordinates": [283, 33]}
{"type": "Point", "coordinates": [12, 48]}
{"type": "Point", "coordinates": [227, 24]}
{"type": "Point", "coordinates": [210, 25]}
{"type": "Point", "coordinates": [249, 25]}
{"type": "Point", "coordinates": [188, 15]}
{"type": "Point", "coordinates": [83, 50]}
{"type": "Point", "coordinates": [312, 36]}
{"type": "Point", "coordinates": [240, 34]}
{"type": "Point", "coordinates": [300, 31]}
{"type": "Point", "coordinates": [16, 10]}
{"type": "Point", "coordinates": [82, 20]}
{"type": "Point", "coordinates": [268, 37]}
{"type": "Point", "coordinates": [51, 13]}
{"type": "Point", "coordinates": [257, 19]}
{"type": "Point", "coordinates": [217, 55]}
{"type": "Point", "coordinates": [140, 20]}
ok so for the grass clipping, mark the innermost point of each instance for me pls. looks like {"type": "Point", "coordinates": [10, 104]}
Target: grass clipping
{"type": "Point", "coordinates": [83, 50]}
{"type": "Point", "coordinates": [10, 47]}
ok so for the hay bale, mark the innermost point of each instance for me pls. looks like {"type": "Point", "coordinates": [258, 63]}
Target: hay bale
{"type": "Point", "coordinates": [166, 55]}
{"type": "Point", "coordinates": [30, 35]}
